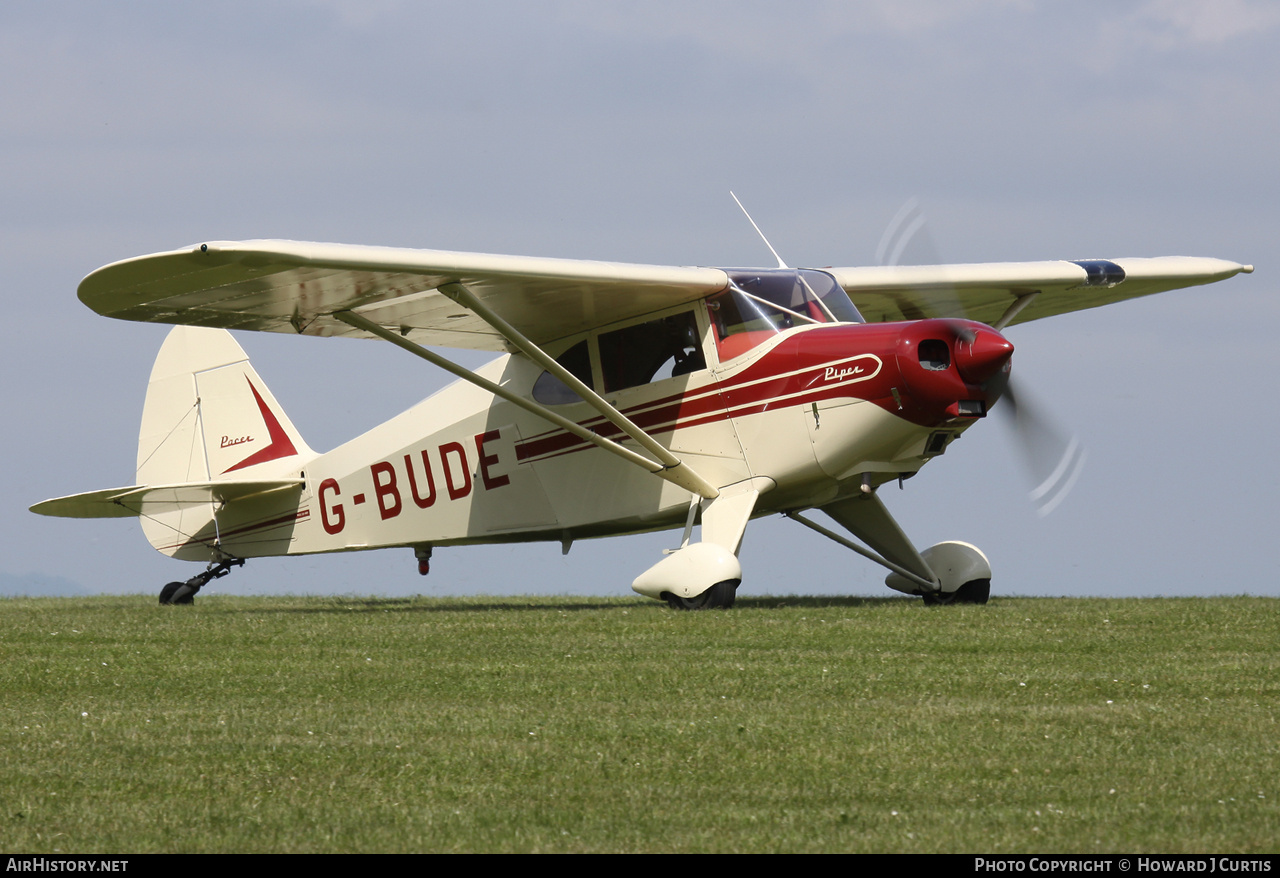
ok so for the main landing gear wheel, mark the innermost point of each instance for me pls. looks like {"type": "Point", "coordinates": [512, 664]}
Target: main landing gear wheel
{"type": "Point", "coordinates": [169, 594]}
{"type": "Point", "coordinates": [975, 591]}
{"type": "Point", "coordinates": [719, 597]}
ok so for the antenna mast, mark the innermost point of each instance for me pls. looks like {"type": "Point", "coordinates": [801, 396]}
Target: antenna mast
{"type": "Point", "coordinates": [781, 264]}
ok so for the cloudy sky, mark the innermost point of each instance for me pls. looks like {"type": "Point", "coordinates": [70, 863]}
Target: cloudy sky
{"type": "Point", "coordinates": [1027, 130]}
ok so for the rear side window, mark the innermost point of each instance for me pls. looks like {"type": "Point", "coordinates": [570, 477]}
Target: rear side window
{"type": "Point", "coordinates": [550, 390]}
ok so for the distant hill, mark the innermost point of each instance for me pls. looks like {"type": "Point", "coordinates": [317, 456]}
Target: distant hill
{"type": "Point", "coordinates": [39, 585]}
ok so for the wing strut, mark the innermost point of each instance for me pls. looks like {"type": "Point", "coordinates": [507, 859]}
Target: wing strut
{"type": "Point", "coordinates": [1014, 310]}
{"type": "Point", "coordinates": [670, 467]}
{"type": "Point", "coordinates": [680, 473]}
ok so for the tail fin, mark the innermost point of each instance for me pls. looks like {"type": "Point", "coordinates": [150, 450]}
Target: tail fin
{"type": "Point", "coordinates": [219, 463]}
{"type": "Point", "coordinates": [208, 416]}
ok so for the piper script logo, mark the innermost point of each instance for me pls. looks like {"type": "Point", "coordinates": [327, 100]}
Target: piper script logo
{"type": "Point", "coordinates": [834, 374]}
{"type": "Point", "coordinates": [854, 369]}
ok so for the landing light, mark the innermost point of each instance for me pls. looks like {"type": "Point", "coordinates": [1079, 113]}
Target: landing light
{"type": "Point", "coordinates": [967, 408]}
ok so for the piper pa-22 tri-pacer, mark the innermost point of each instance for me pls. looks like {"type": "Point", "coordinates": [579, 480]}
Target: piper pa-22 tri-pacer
{"type": "Point", "coordinates": [628, 398]}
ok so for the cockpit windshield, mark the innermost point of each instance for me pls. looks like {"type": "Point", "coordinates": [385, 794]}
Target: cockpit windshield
{"type": "Point", "coordinates": [762, 302]}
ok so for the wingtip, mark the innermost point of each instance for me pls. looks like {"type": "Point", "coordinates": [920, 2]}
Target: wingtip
{"type": "Point", "coordinates": [1246, 269]}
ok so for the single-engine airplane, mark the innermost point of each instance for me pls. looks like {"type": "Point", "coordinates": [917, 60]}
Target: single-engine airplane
{"type": "Point", "coordinates": [628, 398]}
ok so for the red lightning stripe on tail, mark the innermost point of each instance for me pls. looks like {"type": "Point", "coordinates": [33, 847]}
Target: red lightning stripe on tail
{"type": "Point", "coordinates": [280, 445]}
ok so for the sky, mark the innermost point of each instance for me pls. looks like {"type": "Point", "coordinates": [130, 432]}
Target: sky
{"type": "Point", "coordinates": [1026, 130]}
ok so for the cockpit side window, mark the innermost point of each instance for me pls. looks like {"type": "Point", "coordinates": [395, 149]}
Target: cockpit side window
{"type": "Point", "coordinates": [550, 390]}
{"type": "Point", "coordinates": [652, 351]}
{"type": "Point", "coordinates": [833, 298]}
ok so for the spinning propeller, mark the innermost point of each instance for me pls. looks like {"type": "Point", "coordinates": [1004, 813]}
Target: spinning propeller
{"type": "Point", "coordinates": [1054, 456]}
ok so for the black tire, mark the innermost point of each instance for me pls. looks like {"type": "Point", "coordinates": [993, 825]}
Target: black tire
{"type": "Point", "coordinates": [975, 591]}
{"type": "Point", "coordinates": [719, 597]}
{"type": "Point", "coordinates": [177, 593]}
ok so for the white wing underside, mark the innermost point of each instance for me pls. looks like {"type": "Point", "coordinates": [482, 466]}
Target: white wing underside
{"type": "Point", "coordinates": [287, 286]}
{"type": "Point", "coordinates": [293, 287]}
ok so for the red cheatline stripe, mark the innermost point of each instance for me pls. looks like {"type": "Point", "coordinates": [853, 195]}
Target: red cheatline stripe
{"type": "Point", "coordinates": [756, 393]}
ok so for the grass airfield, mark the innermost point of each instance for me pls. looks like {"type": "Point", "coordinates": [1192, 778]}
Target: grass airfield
{"type": "Point", "coordinates": [315, 724]}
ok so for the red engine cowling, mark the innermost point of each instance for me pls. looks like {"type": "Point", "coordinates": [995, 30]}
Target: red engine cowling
{"type": "Point", "coordinates": [950, 369]}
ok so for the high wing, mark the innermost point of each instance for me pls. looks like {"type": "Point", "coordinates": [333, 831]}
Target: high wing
{"type": "Point", "coordinates": [295, 287]}
{"type": "Point", "coordinates": [1000, 293]}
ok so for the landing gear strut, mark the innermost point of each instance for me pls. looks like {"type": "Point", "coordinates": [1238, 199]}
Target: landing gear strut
{"type": "Point", "coordinates": [185, 592]}
{"type": "Point", "coordinates": [947, 573]}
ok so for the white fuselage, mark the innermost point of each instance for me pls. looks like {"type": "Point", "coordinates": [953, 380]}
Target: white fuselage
{"type": "Point", "coordinates": [465, 467]}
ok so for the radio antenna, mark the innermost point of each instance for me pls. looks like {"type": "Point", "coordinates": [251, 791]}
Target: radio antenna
{"type": "Point", "coordinates": [781, 264]}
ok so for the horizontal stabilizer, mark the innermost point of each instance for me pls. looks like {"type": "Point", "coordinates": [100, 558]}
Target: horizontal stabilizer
{"type": "Point", "coordinates": [157, 499]}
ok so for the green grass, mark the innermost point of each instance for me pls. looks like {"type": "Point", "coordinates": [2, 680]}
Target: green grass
{"type": "Point", "coordinates": [560, 724]}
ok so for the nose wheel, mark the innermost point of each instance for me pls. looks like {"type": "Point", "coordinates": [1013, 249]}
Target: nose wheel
{"type": "Point", "coordinates": [975, 591]}
{"type": "Point", "coordinates": [185, 592]}
{"type": "Point", "coordinates": [719, 597]}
